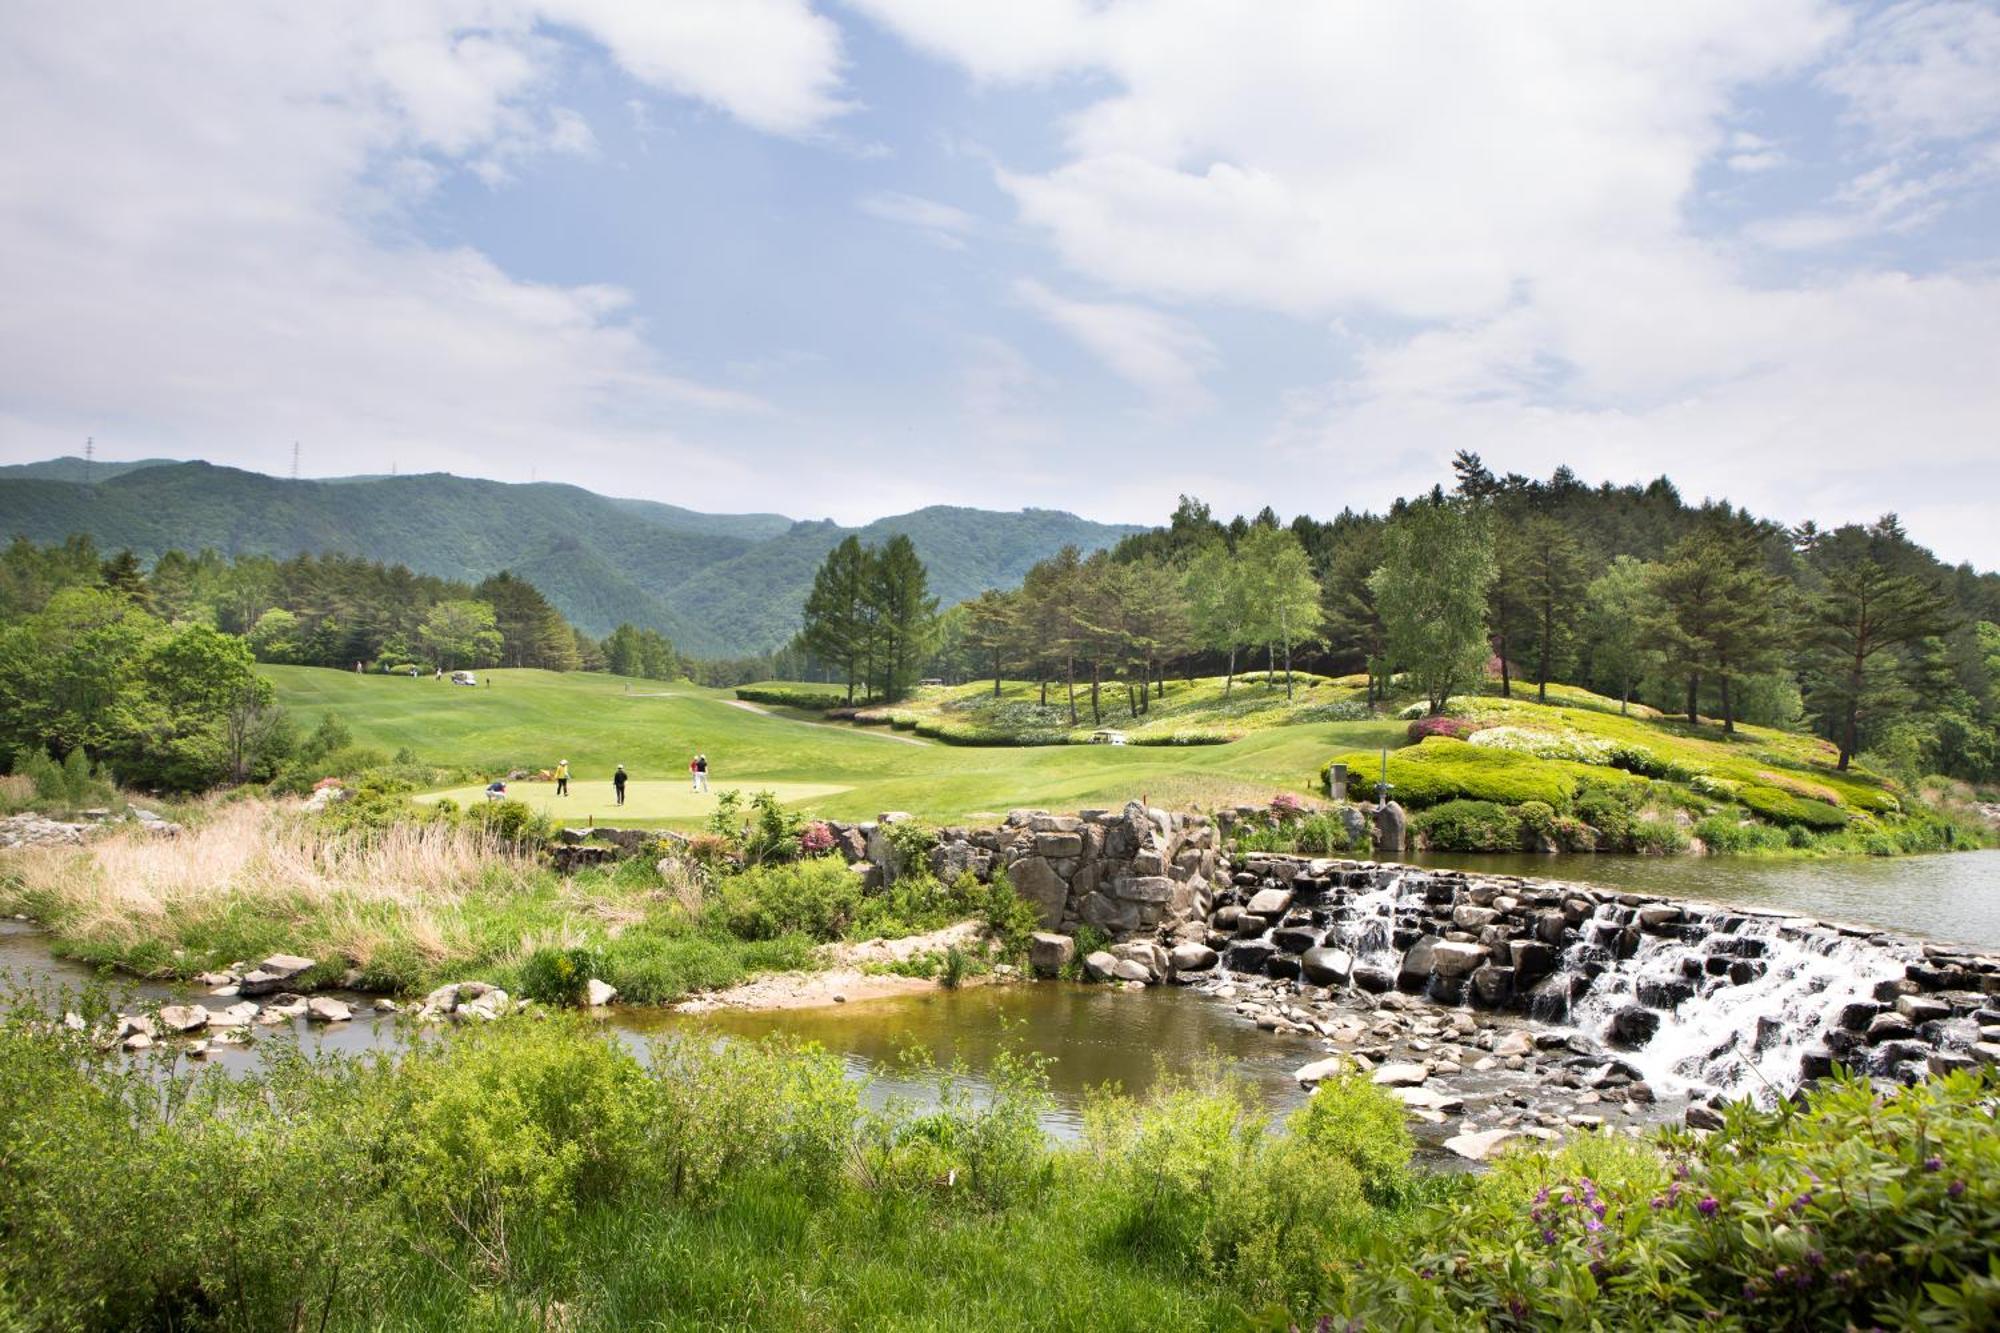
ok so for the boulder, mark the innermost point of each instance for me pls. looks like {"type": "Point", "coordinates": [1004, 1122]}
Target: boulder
{"type": "Point", "coordinates": [1451, 959]}
{"type": "Point", "coordinates": [1374, 980]}
{"type": "Point", "coordinates": [1400, 1075]}
{"type": "Point", "coordinates": [1429, 1099]}
{"type": "Point", "coordinates": [1131, 969]}
{"type": "Point", "coordinates": [1468, 917]}
{"type": "Point", "coordinates": [1701, 1116]}
{"type": "Point", "coordinates": [1477, 1147]}
{"type": "Point", "coordinates": [597, 993]}
{"type": "Point", "coordinates": [1415, 971]}
{"type": "Point", "coordinates": [1633, 1025]}
{"type": "Point", "coordinates": [1100, 966]}
{"type": "Point", "coordinates": [1269, 902]}
{"type": "Point", "coordinates": [235, 1016]}
{"type": "Point", "coordinates": [1193, 958]}
{"type": "Point", "coordinates": [1493, 987]}
{"type": "Point", "coordinates": [1514, 1043]}
{"type": "Point", "coordinates": [1890, 1027]}
{"type": "Point", "coordinates": [1921, 1008]}
{"type": "Point", "coordinates": [326, 1009]}
{"type": "Point", "coordinates": [1327, 966]}
{"type": "Point", "coordinates": [490, 1005]}
{"type": "Point", "coordinates": [1037, 882]}
{"type": "Point", "coordinates": [1049, 953]}
{"type": "Point", "coordinates": [183, 1017]}
{"type": "Point", "coordinates": [1531, 960]}
{"type": "Point", "coordinates": [1321, 1070]}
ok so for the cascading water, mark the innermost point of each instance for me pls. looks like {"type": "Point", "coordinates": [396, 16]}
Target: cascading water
{"type": "Point", "coordinates": [1687, 998]}
{"type": "Point", "coordinates": [1367, 928]}
{"type": "Point", "coordinates": [1739, 999]}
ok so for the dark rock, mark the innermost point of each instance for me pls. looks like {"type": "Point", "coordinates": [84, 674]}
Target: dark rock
{"type": "Point", "coordinates": [1374, 980]}
{"type": "Point", "coordinates": [1633, 1025]}
{"type": "Point", "coordinates": [1326, 967]}
{"type": "Point", "coordinates": [1295, 939]}
{"type": "Point", "coordinates": [1249, 955]}
{"type": "Point", "coordinates": [1493, 987]}
{"type": "Point", "coordinates": [1282, 967]}
{"type": "Point", "coordinates": [1700, 1116]}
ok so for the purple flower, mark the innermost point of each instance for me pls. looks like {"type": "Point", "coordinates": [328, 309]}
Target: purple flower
{"type": "Point", "coordinates": [1598, 1208]}
{"type": "Point", "coordinates": [1799, 1204]}
{"type": "Point", "coordinates": [1815, 1258]}
{"type": "Point", "coordinates": [1933, 1163]}
{"type": "Point", "coordinates": [1542, 1195]}
{"type": "Point", "coordinates": [1593, 1225]}
{"type": "Point", "coordinates": [1658, 1202]}
{"type": "Point", "coordinates": [1956, 1188]}
{"type": "Point", "coordinates": [1548, 1236]}
{"type": "Point", "coordinates": [1707, 1206]}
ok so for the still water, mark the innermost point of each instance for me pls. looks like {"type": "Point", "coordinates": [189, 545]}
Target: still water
{"type": "Point", "coordinates": [1094, 1035]}
{"type": "Point", "coordinates": [1952, 896]}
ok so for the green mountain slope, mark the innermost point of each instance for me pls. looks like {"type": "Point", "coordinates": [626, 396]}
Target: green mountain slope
{"type": "Point", "coordinates": [71, 468]}
{"type": "Point", "coordinates": [717, 584]}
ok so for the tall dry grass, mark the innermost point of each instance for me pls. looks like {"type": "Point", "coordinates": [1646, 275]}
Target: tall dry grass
{"type": "Point", "coordinates": [340, 892]}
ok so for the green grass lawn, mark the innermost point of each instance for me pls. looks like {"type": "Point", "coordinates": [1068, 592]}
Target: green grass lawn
{"type": "Point", "coordinates": [531, 719]}
{"type": "Point", "coordinates": [646, 801]}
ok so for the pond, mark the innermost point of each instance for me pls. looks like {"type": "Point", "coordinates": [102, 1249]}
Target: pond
{"type": "Point", "coordinates": [1952, 896]}
{"type": "Point", "coordinates": [1089, 1035]}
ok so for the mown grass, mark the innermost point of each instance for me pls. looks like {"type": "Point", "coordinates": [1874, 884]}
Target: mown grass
{"type": "Point", "coordinates": [530, 719]}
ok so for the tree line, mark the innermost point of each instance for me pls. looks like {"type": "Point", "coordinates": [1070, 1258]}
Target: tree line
{"type": "Point", "coordinates": [338, 610]}
{"type": "Point", "coordinates": [1703, 610]}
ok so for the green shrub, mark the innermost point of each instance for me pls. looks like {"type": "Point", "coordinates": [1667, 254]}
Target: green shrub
{"type": "Point", "coordinates": [1781, 807]}
{"type": "Point", "coordinates": [1537, 818]}
{"type": "Point", "coordinates": [1010, 918]}
{"type": "Point", "coordinates": [1358, 1122]}
{"type": "Point", "coordinates": [1726, 833]}
{"type": "Point", "coordinates": [1469, 826]}
{"type": "Point", "coordinates": [1658, 836]}
{"type": "Point", "coordinates": [810, 698]}
{"type": "Point", "coordinates": [819, 898]}
{"type": "Point", "coordinates": [1441, 769]}
{"type": "Point", "coordinates": [559, 976]}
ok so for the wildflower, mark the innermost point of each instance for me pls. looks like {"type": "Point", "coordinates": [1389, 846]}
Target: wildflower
{"type": "Point", "coordinates": [1598, 1208]}
{"type": "Point", "coordinates": [1658, 1202]}
{"type": "Point", "coordinates": [1799, 1204]}
{"type": "Point", "coordinates": [1517, 1307]}
{"type": "Point", "coordinates": [1815, 1258]}
{"type": "Point", "coordinates": [1956, 1188]}
{"type": "Point", "coordinates": [1548, 1236]}
{"type": "Point", "coordinates": [1542, 1195]}
{"type": "Point", "coordinates": [1593, 1225]}
{"type": "Point", "coordinates": [1933, 1163]}
{"type": "Point", "coordinates": [1707, 1206]}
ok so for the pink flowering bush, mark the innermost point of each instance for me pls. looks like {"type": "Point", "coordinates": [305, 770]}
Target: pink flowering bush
{"type": "Point", "coordinates": [1458, 728]}
{"type": "Point", "coordinates": [815, 839]}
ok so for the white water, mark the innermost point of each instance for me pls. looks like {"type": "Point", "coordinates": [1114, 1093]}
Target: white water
{"type": "Point", "coordinates": [1369, 930]}
{"type": "Point", "coordinates": [1742, 1038]}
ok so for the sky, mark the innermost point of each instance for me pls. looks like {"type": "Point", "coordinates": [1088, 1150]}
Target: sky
{"type": "Point", "coordinates": [845, 258]}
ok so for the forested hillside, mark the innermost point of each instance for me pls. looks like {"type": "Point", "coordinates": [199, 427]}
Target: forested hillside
{"type": "Point", "coordinates": [716, 584]}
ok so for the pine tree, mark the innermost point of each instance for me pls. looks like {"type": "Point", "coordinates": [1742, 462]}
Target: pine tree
{"type": "Point", "coordinates": [838, 624]}
{"type": "Point", "coordinates": [905, 614]}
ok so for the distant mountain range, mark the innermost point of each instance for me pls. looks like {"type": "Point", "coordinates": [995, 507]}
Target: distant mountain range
{"type": "Point", "coordinates": [717, 584]}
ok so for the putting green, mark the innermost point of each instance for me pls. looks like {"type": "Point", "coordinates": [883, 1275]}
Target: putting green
{"type": "Point", "coordinates": [644, 800]}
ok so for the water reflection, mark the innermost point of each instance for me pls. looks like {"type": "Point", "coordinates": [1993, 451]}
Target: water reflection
{"type": "Point", "coordinates": [1952, 896]}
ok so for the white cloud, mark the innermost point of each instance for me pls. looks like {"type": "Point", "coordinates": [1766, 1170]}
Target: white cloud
{"type": "Point", "coordinates": [204, 233]}
{"type": "Point", "coordinates": [1923, 71]}
{"type": "Point", "coordinates": [1162, 355]}
{"type": "Point", "coordinates": [940, 223]}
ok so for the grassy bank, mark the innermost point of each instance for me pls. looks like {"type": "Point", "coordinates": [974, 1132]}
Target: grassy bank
{"type": "Point", "coordinates": [424, 899]}
{"type": "Point", "coordinates": [539, 1175]}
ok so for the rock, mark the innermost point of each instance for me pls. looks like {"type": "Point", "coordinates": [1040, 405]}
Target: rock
{"type": "Point", "coordinates": [183, 1017]}
{"type": "Point", "coordinates": [1493, 987]}
{"type": "Point", "coordinates": [235, 1016]}
{"type": "Point", "coordinates": [1429, 1099]}
{"type": "Point", "coordinates": [1451, 959]}
{"type": "Point", "coordinates": [1531, 961]}
{"type": "Point", "coordinates": [1049, 953]}
{"type": "Point", "coordinates": [1037, 882]}
{"type": "Point", "coordinates": [326, 1009]}
{"type": "Point", "coordinates": [1374, 980]}
{"type": "Point", "coordinates": [1986, 1052]}
{"type": "Point", "coordinates": [1326, 966]}
{"type": "Point", "coordinates": [1477, 1147]}
{"type": "Point", "coordinates": [1921, 1008]}
{"type": "Point", "coordinates": [1415, 971]}
{"type": "Point", "coordinates": [137, 1041]}
{"type": "Point", "coordinates": [1269, 902]}
{"type": "Point", "coordinates": [1890, 1027]}
{"type": "Point", "coordinates": [1400, 1075]}
{"type": "Point", "coordinates": [1131, 969]}
{"type": "Point", "coordinates": [285, 966]}
{"type": "Point", "coordinates": [1700, 1116]}
{"type": "Point", "coordinates": [1193, 958]}
{"type": "Point", "coordinates": [597, 993]}
{"type": "Point", "coordinates": [1468, 917]}
{"type": "Point", "coordinates": [489, 1006]}
{"type": "Point", "coordinates": [1321, 1070]}
{"type": "Point", "coordinates": [1514, 1043]}
{"type": "Point", "coordinates": [1392, 828]}
{"type": "Point", "coordinates": [1634, 1025]}
{"type": "Point", "coordinates": [1100, 966]}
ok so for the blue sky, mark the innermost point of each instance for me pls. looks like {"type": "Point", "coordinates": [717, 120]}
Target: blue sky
{"type": "Point", "coordinates": [850, 257]}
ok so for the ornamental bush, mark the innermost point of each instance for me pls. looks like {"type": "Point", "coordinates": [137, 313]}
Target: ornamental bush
{"type": "Point", "coordinates": [1470, 826]}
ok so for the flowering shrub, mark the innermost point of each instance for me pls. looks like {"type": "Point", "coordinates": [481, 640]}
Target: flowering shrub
{"type": "Point", "coordinates": [815, 839]}
{"type": "Point", "coordinates": [1285, 806]}
{"type": "Point", "coordinates": [1458, 728]}
{"type": "Point", "coordinates": [1573, 746]}
{"type": "Point", "coordinates": [1860, 1209]}
{"type": "Point", "coordinates": [324, 783]}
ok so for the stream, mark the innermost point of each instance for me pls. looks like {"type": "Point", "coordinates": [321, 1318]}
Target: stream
{"type": "Point", "coordinates": [1094, 1035]}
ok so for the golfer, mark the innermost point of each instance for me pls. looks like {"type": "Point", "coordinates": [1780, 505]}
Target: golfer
{"type": "Point", "coordinates": [618, 784]}
{"type": "Point", "coordinates": [562, 777]}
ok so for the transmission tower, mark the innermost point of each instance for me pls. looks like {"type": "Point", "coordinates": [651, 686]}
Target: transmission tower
{"type": "Point", "coordinates": [295, 460]}
{"type": "Point", "coordinates": [89, 456]}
